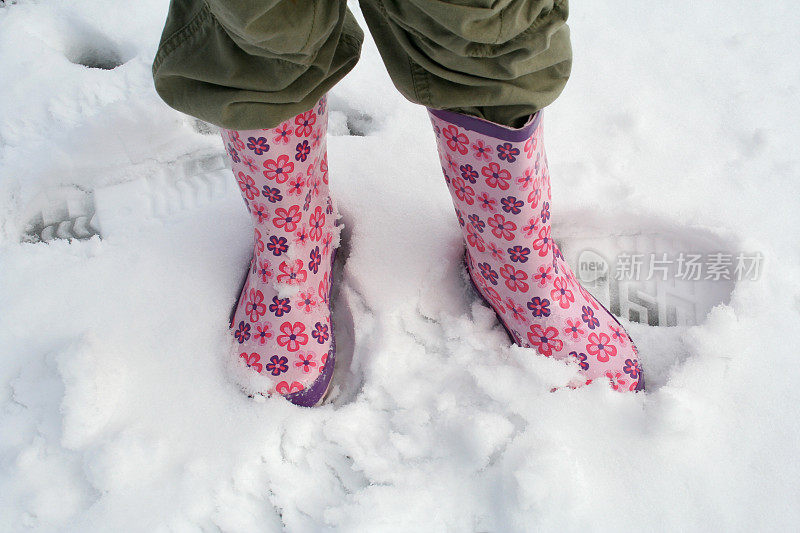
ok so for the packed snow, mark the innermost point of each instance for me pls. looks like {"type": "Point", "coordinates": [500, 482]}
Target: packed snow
{"type": "Point", "coordinates": [680, 121]}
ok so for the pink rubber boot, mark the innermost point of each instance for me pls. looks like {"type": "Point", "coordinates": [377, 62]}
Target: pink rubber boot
{"type": "Point", "coordinates": [500, 186]}
{"type": "Point", "coordinates": [281, 326]}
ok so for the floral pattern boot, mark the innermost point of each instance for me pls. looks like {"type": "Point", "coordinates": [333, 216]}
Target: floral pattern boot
{"type": "Point", "coordinates": [500, 185]}
{"type": "Point", "coordinates": [281, 326]}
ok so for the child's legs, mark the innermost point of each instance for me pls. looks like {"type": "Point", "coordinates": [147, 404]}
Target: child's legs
{"type": "Point", "coordinates": [499, 60]}
{"type": "Point", "coordinates": [252, 65]}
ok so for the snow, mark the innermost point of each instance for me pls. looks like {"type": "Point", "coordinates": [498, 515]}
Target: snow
{"type": "Point", "coordinates": [115, 410]}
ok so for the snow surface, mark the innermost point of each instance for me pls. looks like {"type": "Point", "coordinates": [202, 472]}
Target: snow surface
{"type": "Point", "coordinates": [115, 412]}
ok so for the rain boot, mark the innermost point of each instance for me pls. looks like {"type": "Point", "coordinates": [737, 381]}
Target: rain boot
{"type": "Point", "coordinates": [500, 185]}
{"type": "Point", "coordinates": [282, 338]}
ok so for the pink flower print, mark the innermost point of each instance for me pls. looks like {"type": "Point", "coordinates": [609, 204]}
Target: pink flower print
{"type": "Point", "coordinates": [292, 275]}
{"type": "Point", "coordinates": [305, 362]}
{"type": "Point", "coordinates": [277, 365]}
{"type": "Point", "coordinates": [451, 163]}
{"type": "Point", "coordinates": [544, 275]}
{"type": "Point", "coordinates": [618, 380]}
{"type": "Point", "coordinates": [264, 272]}
{"type": "Point", "coordinates": [533, 197]}
{"type": "Point", "coordinates": [278, 169]}
{"type": "Point", "coordinates": [317, 222]}
{"type": "Point", "coordinates": [574, 329]}
{"type": "Point", "coordinates": [495, 299]}
{"type": "Point", "coordinates": [600, 346]}
{"type": "Point", "coordinates": [530, 146]}
{"type": "Point", "coordinates": [545, 340]}
{"type": "Point", "coordinates": [261, 211]}
{"type": "Point", "coordinates": [326, 243]}
{"type": "Point", "coordinates": [482, 151]}
{"type": "Point", "coordinates": [543, 243]}
{"type": "Point", "coordinates": [323, 360]}
{"type": "Point", "coordinates": [233, 137]}
{"type": "Point", "coordinates": [561, 293]}
{"type": "Point", "coordinates": [306, 301]}
{"type": "Point", "coordinates": [502, 227]}
{"type": "Point", "coordinates": [526, 180]}
{"type": "Point", "coordinates": [456, 140]}
{"type": "Point", "coordinates": [496, 252]}
{"type": "Point", "coordinates": [296, 185]}
{"type": "Point", "coordinates": [618, 334]}
{"type": "Point", "coordinates": [255, 306]}
{"type": "Point", "coordinates": [517, 312]}
{"type": "Point", "coordinates": [313, 184]}
{"type": "Point", "coordinates": [323, 167]}
{"type": "Point", "coordinates": [496, 177]}
{"type": "Point", "coordinates": [531, 227]}
{"type": "Point", "coordinates": [301, 237]}
{"type": "Point", "coordinates": [263, 332]}
{"type": "Point", "coordinates": [258, 243]}
{"type": "Point", "coordinates": [252, 361]}
{"type": "Point", "coordinates": [293, 336]}
{"type": "Point", "coordinates": [283, 388]}
{"type": "Point", "coordinates": [463, 192]}
{"type": "Point", "coordinates": [324, 288]}
{"type": "Point", "coordinates": [248, 186]}
{"type": "Point", "coordinates": [486, 202]}
{"type": "Point", "coordinates": [316, 138]}
{"type": "Point", "coordinates": [515, 279]}
{"type": "Point", "coordinates": [249, 162]}
{"type": "Point", "coordinates": [287, 218]}
{"type": "Point", "coordinates": [305, 123]}
{"type": "Point", "coordinates": [474, 239]}
{"type": "Point", "coordinates": [282, 133]}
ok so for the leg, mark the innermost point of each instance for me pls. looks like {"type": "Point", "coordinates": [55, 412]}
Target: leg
{"type": "Point", "coordinates": [261, 72]}
{"type": "Point", "coordinates": [487, 68]}
{"type": "Point", "coordinates": [498, 60]}
{"type": "Point", "coordinates": [248, 65]}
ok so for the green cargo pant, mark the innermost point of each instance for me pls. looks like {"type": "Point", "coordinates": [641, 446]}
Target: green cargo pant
{"type": "Point", "coordinates": [249, 64]}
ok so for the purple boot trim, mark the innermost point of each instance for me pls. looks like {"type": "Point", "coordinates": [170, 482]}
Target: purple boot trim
{"type": "Point", "coordinates": [490, 129]}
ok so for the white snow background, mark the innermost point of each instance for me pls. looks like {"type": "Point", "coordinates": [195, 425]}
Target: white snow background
{"type": "Point", "coordinates": [115, 411]}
